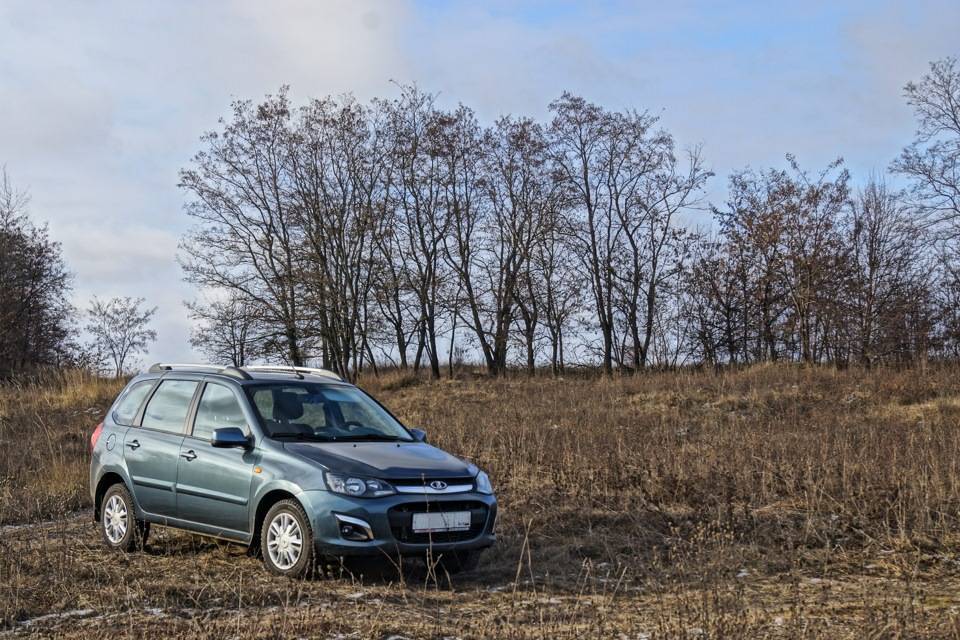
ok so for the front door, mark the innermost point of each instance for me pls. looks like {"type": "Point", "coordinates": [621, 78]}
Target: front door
{"type": "Point", "coordinates": [213, 483]}
{"type": "Point", "coordinates": [151, 451]}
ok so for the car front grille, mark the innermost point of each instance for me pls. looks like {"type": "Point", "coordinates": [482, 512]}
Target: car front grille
{"type": "Point", "coordinates": [401, 521]}
{"type": "Point", "coordinates": [425, 482]}
{"type": "Point", "coordinates": [433, 486]}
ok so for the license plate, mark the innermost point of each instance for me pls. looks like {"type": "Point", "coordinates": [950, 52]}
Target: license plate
{"type": "Point", "coordinates": [434, 522]}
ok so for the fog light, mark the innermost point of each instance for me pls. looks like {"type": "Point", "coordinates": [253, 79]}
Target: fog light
{"type": "Point", "coordinates": [350, 533]}
{"type": "Point", "coordinates": [353, 529]}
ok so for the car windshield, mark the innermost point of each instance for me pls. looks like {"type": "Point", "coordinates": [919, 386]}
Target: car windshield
{"type": "Point", "coordinates": [326, 413]}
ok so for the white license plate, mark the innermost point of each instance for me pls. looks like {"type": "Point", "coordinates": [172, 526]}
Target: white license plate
{"type": "Point", "coordinates": [433, 522]}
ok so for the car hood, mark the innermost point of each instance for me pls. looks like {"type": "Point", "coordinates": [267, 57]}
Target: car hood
{"type": "Point", "coordinates": [386, 460]}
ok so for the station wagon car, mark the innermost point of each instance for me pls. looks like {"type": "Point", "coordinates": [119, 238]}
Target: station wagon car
{"type": "Point", "coordinates": [295, 463]}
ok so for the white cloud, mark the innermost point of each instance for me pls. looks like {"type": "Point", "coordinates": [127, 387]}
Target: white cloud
{"type": "Point", "coordinates": [101, 103]}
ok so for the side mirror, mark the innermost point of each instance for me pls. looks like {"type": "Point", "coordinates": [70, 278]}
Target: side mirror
{"type": "Point", "coordinates": [419, 435]}
{"type": "Point", "coordinates": [229, 437]}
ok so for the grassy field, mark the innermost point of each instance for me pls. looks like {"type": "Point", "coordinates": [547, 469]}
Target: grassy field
{"type": "Point", "coordinates": [775, 501]}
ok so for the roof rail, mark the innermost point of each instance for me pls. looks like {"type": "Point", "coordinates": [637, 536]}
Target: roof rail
{"type": "Point", "coordinates": [241, 372]}
{"type": "Point", "coordinates": [165, 366]}
{"type": "Point", "coordinates": [266, 368]}
{"type": "Point", "coordinates": [228, 370]}
{"type": "Point", "coordinates": [236, 372]}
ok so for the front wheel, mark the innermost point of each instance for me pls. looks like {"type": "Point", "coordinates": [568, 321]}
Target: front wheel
{"type": "Point", "coordinates": [119, 526]}
{"type": "Point", "coordinates": [286, 540]}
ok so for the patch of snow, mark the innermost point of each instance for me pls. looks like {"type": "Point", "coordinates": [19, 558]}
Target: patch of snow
{"type": "Point", "coordinates": [76, 515]}
{"type": "Point", "coordinates": [73, 613]}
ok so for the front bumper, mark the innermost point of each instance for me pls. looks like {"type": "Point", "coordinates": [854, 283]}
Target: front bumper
{"type": "Point", "coordinates": [390, 521]}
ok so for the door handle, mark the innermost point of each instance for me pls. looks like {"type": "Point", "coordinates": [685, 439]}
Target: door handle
{"type": "Point", "coordinates": [189, 455]}
{"type": "Point", "coordinates": [134, 444]}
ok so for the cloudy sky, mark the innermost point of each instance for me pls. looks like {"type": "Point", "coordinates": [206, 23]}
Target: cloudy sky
{"type": "Point", "coordinates": [101, 103]}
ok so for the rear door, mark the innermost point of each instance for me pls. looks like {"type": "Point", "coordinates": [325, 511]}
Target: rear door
{"type": "Point", "coordinates": [213, 484]}
{"type": "Point", "coordinates": [152, 451]}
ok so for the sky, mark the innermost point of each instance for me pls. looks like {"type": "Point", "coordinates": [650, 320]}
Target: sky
{"type": "Point", "coordinates": [103, 102]}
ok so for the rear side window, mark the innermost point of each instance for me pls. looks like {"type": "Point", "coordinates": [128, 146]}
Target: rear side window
{"type": "Point", "coordinates": [129, 405]}
{"type": "Point", "coordinates": [167, 409]}
{"type": "Point", "coordinates": [218, 408]}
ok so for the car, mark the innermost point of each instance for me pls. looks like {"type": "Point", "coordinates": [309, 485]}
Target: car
{"type": "Point", "coordinates": [293, 462]}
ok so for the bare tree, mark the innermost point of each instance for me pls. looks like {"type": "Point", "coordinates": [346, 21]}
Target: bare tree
{"type": "Point", "coordinates": [120, 330]}
{"type": "Point", "coordinates": [632, 151]}
{"type": "Point", "coordinates": [462, 146]}
{"type": "Point", "coordinates": [932, 161]}
{"type": "Point", "coordinates": [228, 330]}
{"type": "Point", "coordinates": [777, 266]}
{"type": "Point", "coordinates": [498, 194]}
{"type": "Point", "coordinates": [587, 165]}
{"type": "Point", "coordinates": [396, 306]}
{"type": "Point", "coordinates": [811, 251]}
{"type": "Point", "coordinates": [415, 194]}
{"type": "Point", "coordinates": [948, 329]}
{"type": "Point", "coordinates": [246, 237]}
{"type": "Point", "coordinates": [751, 228]}
{"type": "Point", "coordinates": [561, 284]}
{"type": "Point", "coordinates": [337, 170]}
{"type": "Point", "coordinates": [35, 315]}
{"type": "Point", "coordinates": [885, 270]}
{"type": "Point", "coordinates": [657, 245]}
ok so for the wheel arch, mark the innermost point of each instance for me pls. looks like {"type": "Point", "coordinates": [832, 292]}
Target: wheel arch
{"type": "Point", "coordinates": [269, 498]}
{"type": "Point", "coordinates": [106, 481]}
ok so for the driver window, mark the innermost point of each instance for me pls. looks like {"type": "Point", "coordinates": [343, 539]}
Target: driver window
{"type": "Point", "coordinates": [218, 409]}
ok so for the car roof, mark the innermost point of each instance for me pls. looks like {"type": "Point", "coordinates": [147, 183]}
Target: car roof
{"type": "Point", "coordinates": [246, 375]}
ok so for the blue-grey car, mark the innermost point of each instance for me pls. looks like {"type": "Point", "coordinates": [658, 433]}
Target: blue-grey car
{"type": "Point", "coordinates": [293, 462]}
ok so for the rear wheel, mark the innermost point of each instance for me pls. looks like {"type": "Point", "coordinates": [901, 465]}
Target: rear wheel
{"type": "Point", "coordinates": [119, 525]}
{"type": "Point", "coordinates": [286, 540]}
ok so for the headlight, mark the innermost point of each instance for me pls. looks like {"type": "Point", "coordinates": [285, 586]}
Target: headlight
{"type": "Point", "coordinates": [483, 483]}
{"type": "Point", "coordinates": [358, 487]}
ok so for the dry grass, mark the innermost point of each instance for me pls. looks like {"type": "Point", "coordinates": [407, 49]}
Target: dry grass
{"type": "Point", "coordinates": [45, 428]}
{"type": "Point", "coordinates": [768, 502]}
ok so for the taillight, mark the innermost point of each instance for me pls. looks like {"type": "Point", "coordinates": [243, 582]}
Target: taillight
{"type": "Point", "coordinates": [95, 436]}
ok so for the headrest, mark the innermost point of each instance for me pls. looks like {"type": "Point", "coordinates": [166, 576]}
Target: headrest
{"type": "Point", "coordinates": [287, 406]}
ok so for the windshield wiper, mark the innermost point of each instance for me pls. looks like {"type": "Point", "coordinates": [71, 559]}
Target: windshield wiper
{"type": "Point", "coordinates": [372, 437]}
{"type": "Point", "coordinates": [300, 436]}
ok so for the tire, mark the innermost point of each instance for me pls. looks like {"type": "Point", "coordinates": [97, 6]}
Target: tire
{"type": "Point", "coordinates": [120, 528]}
{"type": "Point", "coordinates": [286, 540]}
{"type": "Point", "coordinates": [460, 561]}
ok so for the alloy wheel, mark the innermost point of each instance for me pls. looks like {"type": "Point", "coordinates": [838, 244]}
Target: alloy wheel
{"type": "Point", "coordinates": [115, 519]}
{"type": "Point", "coordinates": [284, 541]}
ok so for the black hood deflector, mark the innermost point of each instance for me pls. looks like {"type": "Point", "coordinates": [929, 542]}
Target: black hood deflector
{"type": "Point", "coordinates": [386, 460]}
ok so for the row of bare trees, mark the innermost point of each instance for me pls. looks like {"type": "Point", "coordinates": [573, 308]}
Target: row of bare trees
{"type": "Point", "coordinates": [391, 232]}
{"type": "Point", "coordinates": [802, 269]}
